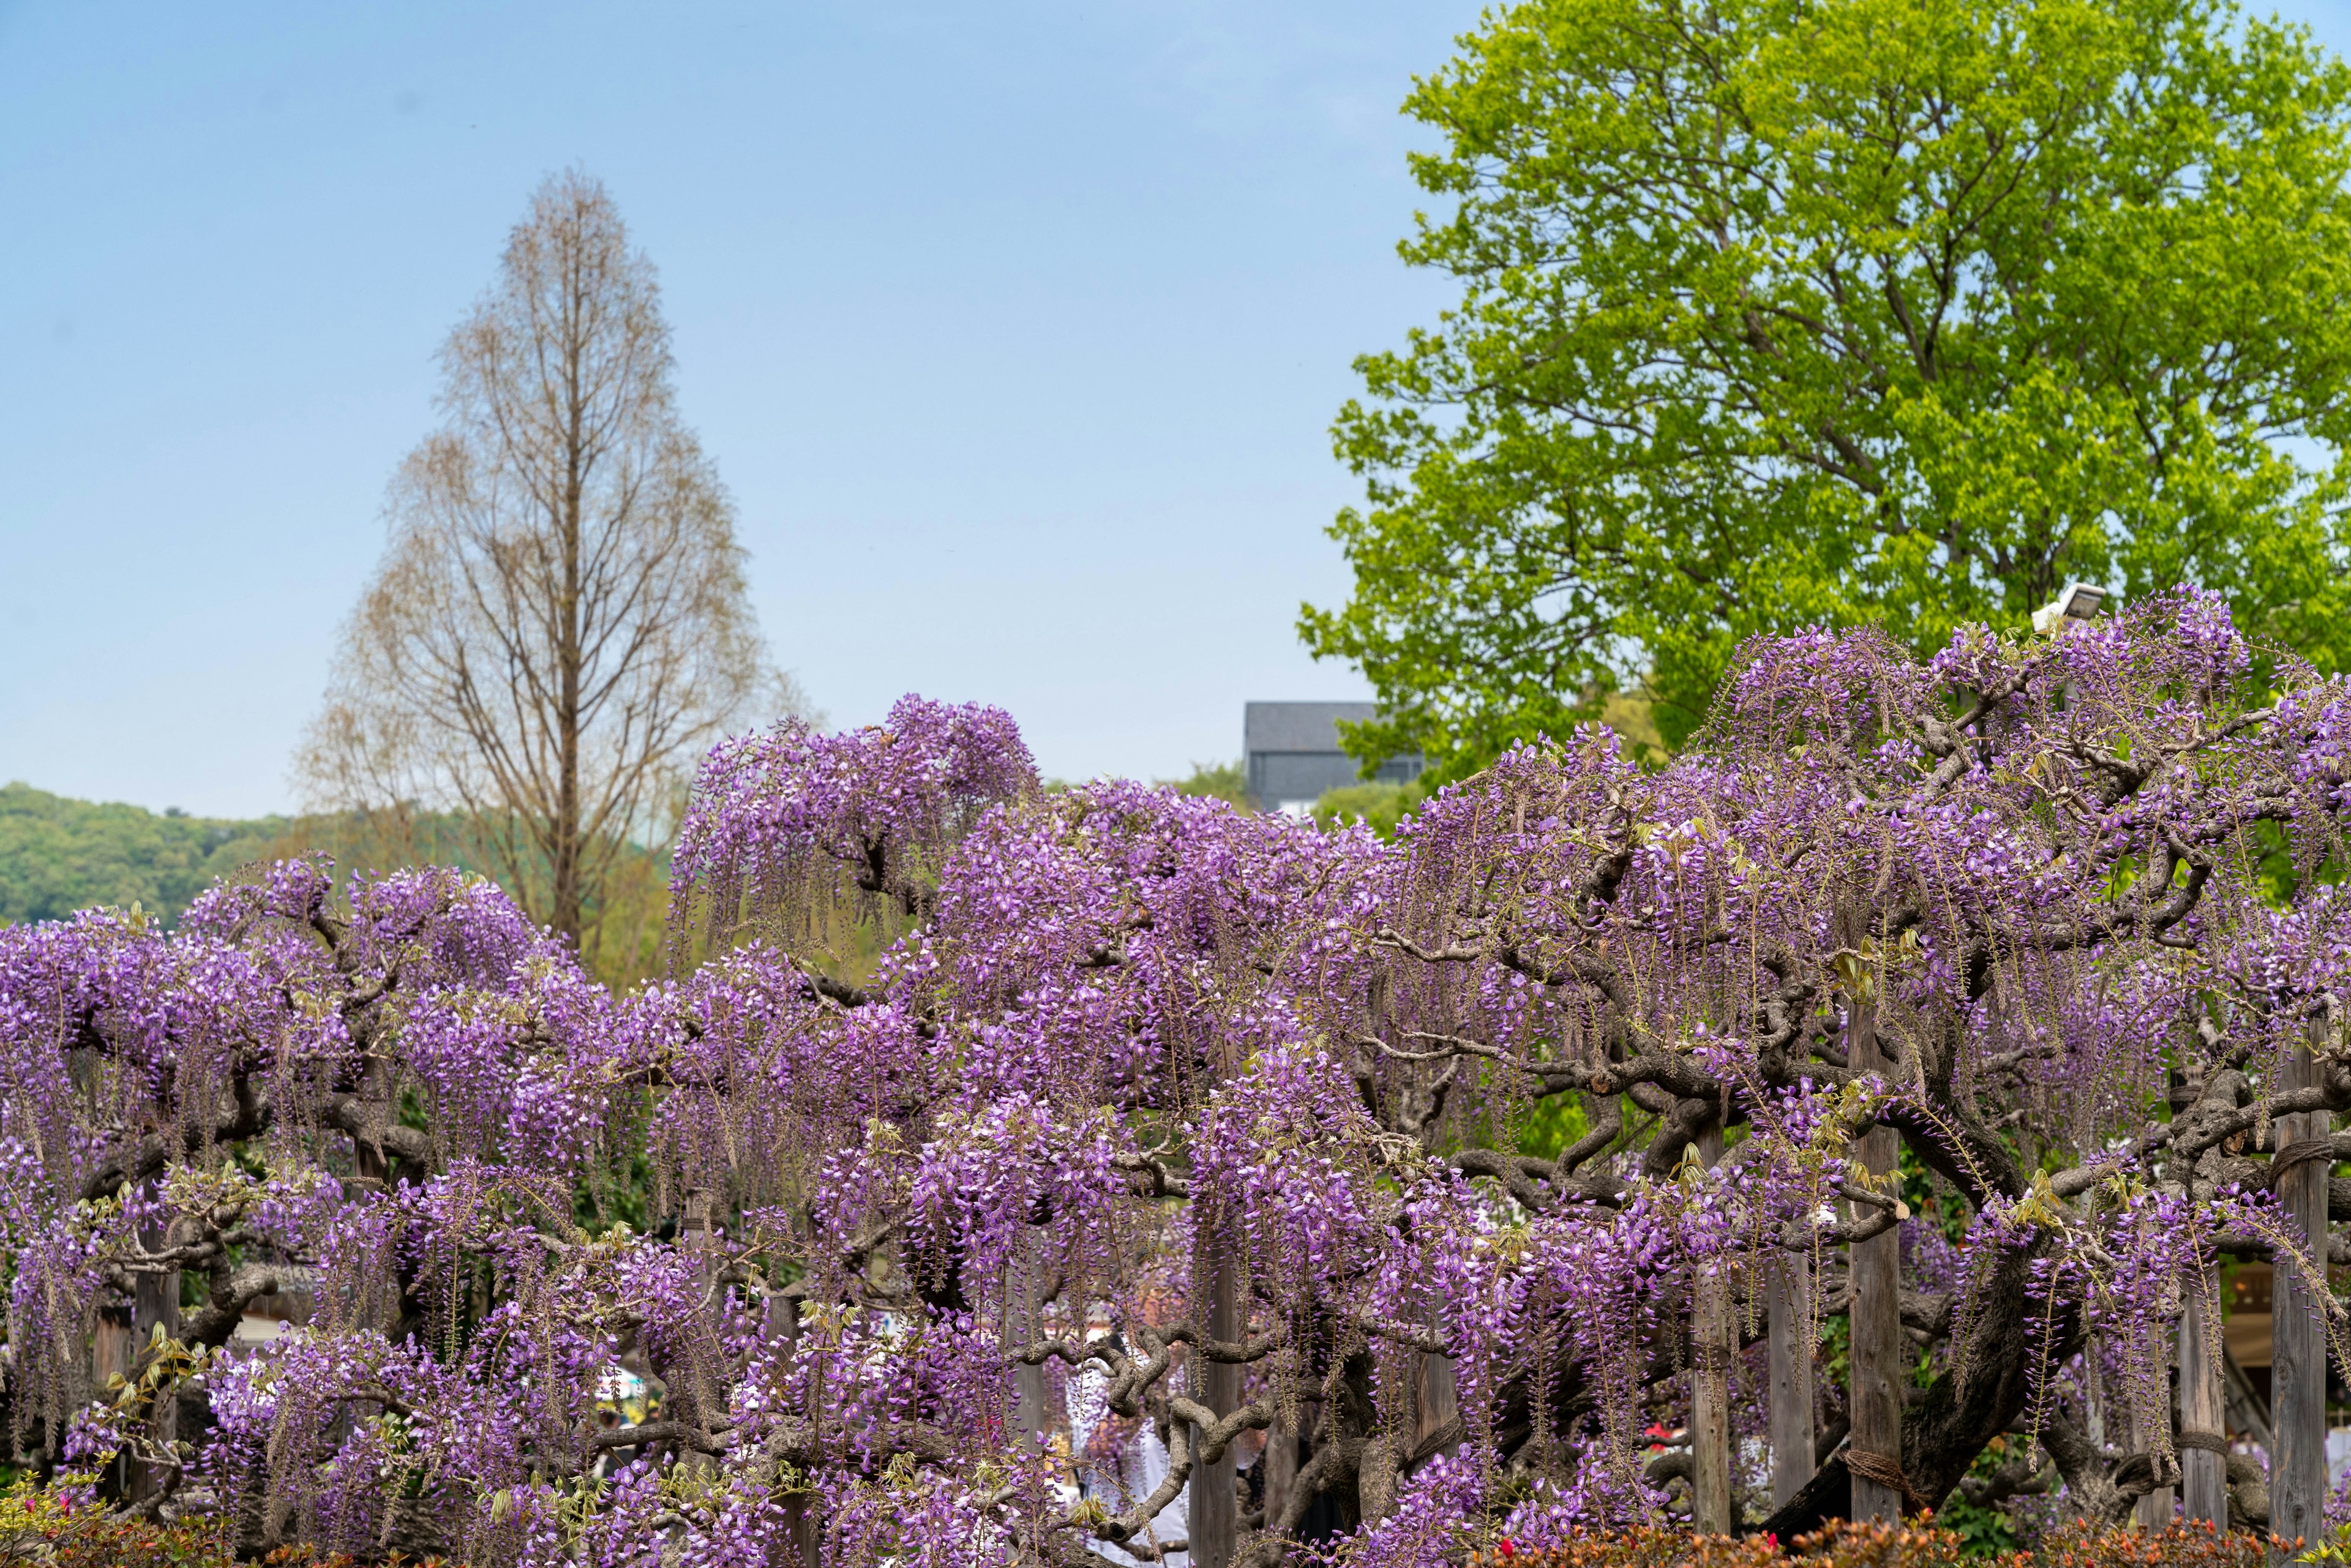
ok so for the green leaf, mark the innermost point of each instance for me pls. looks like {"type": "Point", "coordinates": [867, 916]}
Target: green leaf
{"type": "Point", "coordinates": [1900, 312]}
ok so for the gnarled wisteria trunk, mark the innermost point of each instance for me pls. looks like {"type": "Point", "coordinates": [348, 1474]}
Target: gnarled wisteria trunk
{"type": "Point", "coordinates": [1956, 1000]}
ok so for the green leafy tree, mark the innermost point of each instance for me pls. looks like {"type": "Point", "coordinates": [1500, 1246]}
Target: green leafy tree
{"type": "Point", "coordinates": [1376, 803]}
{"type": "Point", "coordinates": [1225, 781]}
{"type": "Point", "coordinates": [1785, 312]}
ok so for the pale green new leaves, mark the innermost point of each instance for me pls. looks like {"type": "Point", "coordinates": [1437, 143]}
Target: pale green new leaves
{"type": "Point", "coordinates": [1777, 313]}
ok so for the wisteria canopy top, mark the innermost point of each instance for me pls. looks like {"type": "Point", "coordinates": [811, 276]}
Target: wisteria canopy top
{"type": "Point", "coordinates": [1436, 1096]}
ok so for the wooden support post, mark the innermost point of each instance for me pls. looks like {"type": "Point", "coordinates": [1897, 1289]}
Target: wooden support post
{"type": "Point", "coordinates": [1434, 1400]}
{"type": "Point", "coordinates": [802, 1548]}
{"type": "Point", "coordinates": [1711, 1501]}
{"type": "Point", "coordinates": [2094, 1395]}
{"type": "Point", "coordinates": [1281, 1464]}
{"type": "Point", "coordinates": [1029, 1412]}
{"type": "Point", "coordinates": [154, 1303]}
{"type": "Point", "coordinates": [1019, 1332]}
{"type": "Point", "coordinates": [2152, 1509]}
{"type": "Point", "coordinates": [1877, 1272]}
{"type": "Point", "coordinates": [2297, 1338]}
{"type": "Point", "coordinates": [695, 1396]}
{"type": "Point", "coordinates": [1790, 1331]}
{"type": "Point", "coordinates": [2204, 1480]}
{"type": "Point", "coordinates": [1215, 1522]}
{"type": "Point", "coordinates": [112, 1355]}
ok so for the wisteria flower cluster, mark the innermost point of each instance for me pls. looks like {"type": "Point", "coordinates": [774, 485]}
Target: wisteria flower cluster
{"type": "Point", "coordinates": [1150, 1146]}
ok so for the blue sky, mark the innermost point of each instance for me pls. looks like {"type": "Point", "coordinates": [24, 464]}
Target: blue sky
{"type": "Point", "coordinates": [1015, 328]}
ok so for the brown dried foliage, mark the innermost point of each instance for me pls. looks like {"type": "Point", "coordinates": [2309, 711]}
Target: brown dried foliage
{"type": "Point", "coordinates": [1876, 1544]}
{"type": "Point", "coordinates": [560, 624]}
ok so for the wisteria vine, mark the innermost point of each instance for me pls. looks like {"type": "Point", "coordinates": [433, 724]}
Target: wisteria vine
{"type": "Point", "coordinates": [907, 1252]}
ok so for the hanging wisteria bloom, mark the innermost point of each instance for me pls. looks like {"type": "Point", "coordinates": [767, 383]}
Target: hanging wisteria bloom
{"type": "Point", "coordinates": [1401, 1188]}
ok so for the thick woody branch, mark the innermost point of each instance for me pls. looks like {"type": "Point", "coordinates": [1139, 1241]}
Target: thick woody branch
{"type": "Point", "coordinates": [231, 1293]}
{"type": "Point", "coordinates": [1151, 1177]}
{"type": "Point", "coordinates": [1217, 1432]}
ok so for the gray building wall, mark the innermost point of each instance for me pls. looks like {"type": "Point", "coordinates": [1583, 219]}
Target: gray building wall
{"type": "Point", "coordinates": [1294, 756]}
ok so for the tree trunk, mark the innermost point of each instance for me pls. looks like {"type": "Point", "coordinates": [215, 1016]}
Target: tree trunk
{"type": "Point", "coordinates": [2204, 1480]}
{"type": "Point", "coordinates": [1710, 1504]}
{"type": "Point", "coordinates": [2298, 1342]}
{"type": "Point", "coordinates": [1792, 1379]}
{"type": "Point", "coordinates": [563, 861]}
{"type": "Point", "coordinates": [1876, 1270]}
{"type": "Point", "coordinates": [1215, 1522]}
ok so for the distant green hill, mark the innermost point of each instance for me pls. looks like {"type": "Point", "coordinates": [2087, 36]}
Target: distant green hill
{"type": "Point", "coordinates": [58, 855]}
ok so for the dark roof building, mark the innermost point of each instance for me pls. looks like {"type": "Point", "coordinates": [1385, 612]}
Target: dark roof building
{"type": "Point", "coordinates": [1294, 755]}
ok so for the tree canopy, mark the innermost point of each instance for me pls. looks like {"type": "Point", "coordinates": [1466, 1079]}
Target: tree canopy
{"type": "Point", "coordinates": [559, 626]}
{"type": "Point", "coordinates": [1777, 313]}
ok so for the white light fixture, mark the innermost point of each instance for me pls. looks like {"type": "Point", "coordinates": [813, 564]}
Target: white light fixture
{"type": "Point", "coordinates": [2078, 603]}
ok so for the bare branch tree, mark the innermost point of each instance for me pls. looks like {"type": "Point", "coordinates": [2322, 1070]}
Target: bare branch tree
{"type": "Point", "coordinates": [560, 624]}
